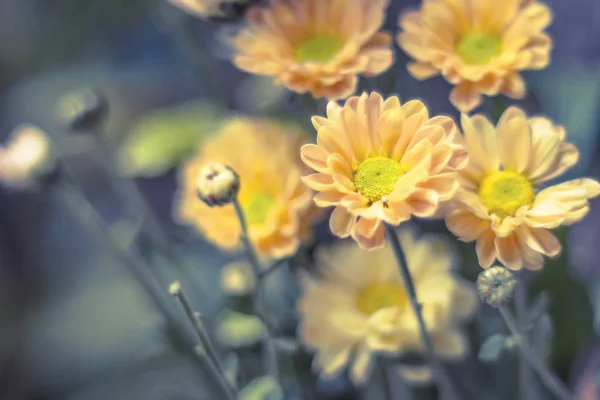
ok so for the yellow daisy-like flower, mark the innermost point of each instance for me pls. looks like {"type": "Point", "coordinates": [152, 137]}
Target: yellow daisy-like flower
{"type": "Point", "coordinates": [380, 161]}
{"type": "Point", "coordinates": [500, 204]}
{"type": "Point", "coordinates": [277, 205]}
{"type": "Point", "coordinates": [315, 46]}
{"type": "Point", "coordinates": [361, 307]}
{"type": "Point", "coordinates": [477, 45]}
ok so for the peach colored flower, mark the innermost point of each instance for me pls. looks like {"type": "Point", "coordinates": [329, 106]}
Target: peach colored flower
{"type": "Point", "coordinates": [501, 204]}
{"type": "Point", "coordinates": [480, 46]}
{"type": "Point", "coordinates": [315, 46]}
{"type": "Point", "coordinates": [360, 307]}
{"type": "Point", "coordinates": [277, 205]}
{"type": "Point", "coordinates": [380, 161]}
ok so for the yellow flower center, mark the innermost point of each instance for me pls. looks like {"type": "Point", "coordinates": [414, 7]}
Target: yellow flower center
{"type": "Point", "coordinates": [319, 48]}
{"type": "Point", "coordinates": [381, 295]}
{"type": "Point", "coordinates": [478, 47]}
{"type": "Point", "coordinates": [375, 177]}
{"type": "Point", "coordinates": [257, 207]}
{"type": "Point", "coordinates": [504, 192]}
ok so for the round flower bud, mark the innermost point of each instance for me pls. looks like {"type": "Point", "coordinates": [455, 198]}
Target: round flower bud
{"type": "Point", "coordinates": [237, 279]}
{"type": "Point", "coordinates": [496, 286]}
{"type": "Point", "coordinates": [82, 110]}
{"type": "Point", "coordinates": [218, 184]}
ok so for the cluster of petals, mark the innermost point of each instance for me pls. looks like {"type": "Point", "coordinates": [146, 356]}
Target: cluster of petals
{"type": "Point", "coordinates": [278, 207]}
{"type": "Point", "coordinates": [342, 334]}
{"type": "Point", "coordinates": [271, 43]}
{"type": "Point", "coordinates": [535, 151]}
{"type": "Point", "coordinates": [432, 34]}
{"type": "Point", "coordinates": [426, 149]}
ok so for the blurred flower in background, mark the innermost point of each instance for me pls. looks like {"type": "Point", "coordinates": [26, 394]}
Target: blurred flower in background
{"type": "Point", "coordinates": [380, 161]}
{"type": "Point", "coordinates": [499, 205]}
{"type": "Point", "coordinates": [27, 156]}
{"type": "Point", "coordinates": [315, 46]}
{"type": "Point", "coordinates": [477, 45]}
{"type": "Point", "coordinates": [360, 307]}
{"type": "Point", "coordinates": [277, 206]}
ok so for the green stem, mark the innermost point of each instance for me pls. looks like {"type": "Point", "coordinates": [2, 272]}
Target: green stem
{"type": "Point", "coordinates": [526, 384]}
{"type": "Point", "coordinates": [442, 379]}
{"type": "Point", "coordinates": [269, 353]}
{"type": "Point", "coordinates": [549, 379]}
{"type": "Point", "coordinates": [206, 350]}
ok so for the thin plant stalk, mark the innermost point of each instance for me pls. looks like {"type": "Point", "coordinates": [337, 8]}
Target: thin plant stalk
{"type": "Point", "coordinates": [269, 353]}
{"type": "Point", "coordinates": [442, 379]}
{"type": "Point", "coordinates": [72, 195]}
{"type": "Point", "coordinates": [548, 378]}
{"type": "Point", "coordinates": [205, 348]}
{"type": "Point", "coordinates": [526, 384]}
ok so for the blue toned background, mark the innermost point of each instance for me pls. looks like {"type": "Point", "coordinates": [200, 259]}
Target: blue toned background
{"type": "Point", "coordinates": [74, 322]}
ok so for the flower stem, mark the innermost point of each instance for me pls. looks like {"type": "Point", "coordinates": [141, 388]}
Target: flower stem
{"type": "Point", "coordinates": [549, 379]}
{"type": "Point", "coordinates": [269, 353]}
{"type": "Point", "coordinates": [205, 348]}
{"type": "Point", "coordinates": [442, 379]}
{"type": "Point", "coordinates": [527, 387]}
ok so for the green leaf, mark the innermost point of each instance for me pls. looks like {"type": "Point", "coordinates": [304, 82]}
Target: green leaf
{"type": "Point", "coordinates": [231, 366]}
{"type": "Point", "coordinates": [265, 388]}
{"type": "Point", "coordinates": [539, 306]}
{"type": "Point", "coordinates": [235, 329]}
{"type": "Point", "coordinates": [162, 139]}
{"type": "Point", "coordinates": [542, 335]}
{"type": "Point", "coordinates": [493, 346]}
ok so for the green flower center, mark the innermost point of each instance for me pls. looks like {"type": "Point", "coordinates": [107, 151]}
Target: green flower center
{"type": "Point", "coordinates": [257, 207]}
{"type": "Point", "coordinates": [375, 177]}
{"type": "Point", "coordinates": [478, 48]}
{"type": "Point", "coordinates": [319, 48]}
{"type": "Point", "coordinates": [504, 192]}
{"type": "Point", "coordinates": [380, 295]}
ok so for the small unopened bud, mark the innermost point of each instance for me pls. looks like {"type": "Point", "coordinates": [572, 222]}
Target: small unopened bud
{"type": "Point", "coordinates": [237, 279]}
{"type": "Point", "coordinates": [496, 286]}
{"type": "Point", "coordinates": [218, 184]}
{"type": "Point", "coordinates": [175, 288]}
{"type": "Point", "coordinates": [82, 110]}
{"type": "Point", "coordinates": [216, 10]}
{"type": "Point", "coordinates": [27, 158]}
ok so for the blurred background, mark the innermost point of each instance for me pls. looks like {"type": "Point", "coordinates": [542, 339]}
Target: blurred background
{"type": "Point", "coordinates": [75, 322]}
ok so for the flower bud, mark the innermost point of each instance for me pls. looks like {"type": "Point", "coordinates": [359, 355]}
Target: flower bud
{"type": "Point", "coordinates": [237, 279]}
{"type": "Point", "coordinates": [216, 10]}
{"type": "Point", "coordinates": [496, 286]}
{"type": "Point", "coordinates": [218, 184]}
{"type": "Point", "coordinates": [28, 157]}
{"type": "Point", "coordinates": [82, 110]}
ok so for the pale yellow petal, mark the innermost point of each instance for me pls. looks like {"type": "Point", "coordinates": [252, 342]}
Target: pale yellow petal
{"type": "Point", "coordinates": [341, 222]}
{"type": "Point", "coordinates": [514, 139]}
{"type": "Point", "coordinates": [486, 248]}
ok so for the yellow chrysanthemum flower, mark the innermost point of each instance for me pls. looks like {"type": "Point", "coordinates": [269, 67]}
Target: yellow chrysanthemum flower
{"type": "Point", "coordinates": [380, 161]}
{"type": "Point", "coordinates": [477, 45]}
{"type": "Point", "coordinates": [277, 205]}
{"type": "Point", "coordinates": [500, 203]}
{"type": "Point", "coordinates": [361, 307]}
{"type": "Point", "coordinates": [314, 45]}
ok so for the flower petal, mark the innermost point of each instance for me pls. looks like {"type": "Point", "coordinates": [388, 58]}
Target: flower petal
{"type": "Point", "coordinates": [341, 222]}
